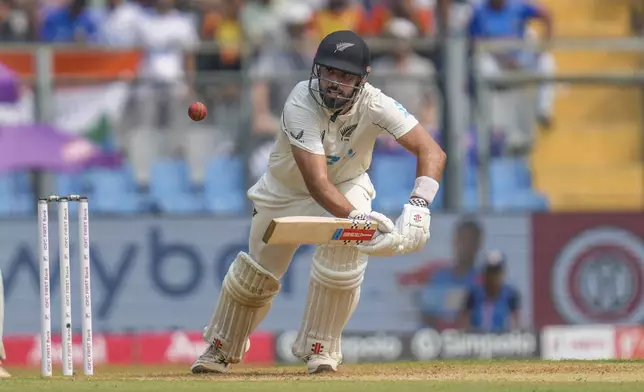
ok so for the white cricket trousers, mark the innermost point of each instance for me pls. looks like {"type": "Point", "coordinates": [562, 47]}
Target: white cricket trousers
{"type": "Point", "coordinates": [276, 258]}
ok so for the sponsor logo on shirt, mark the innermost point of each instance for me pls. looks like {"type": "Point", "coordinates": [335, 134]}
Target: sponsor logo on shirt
{"type": "Point", "coordinates": [297, 137]}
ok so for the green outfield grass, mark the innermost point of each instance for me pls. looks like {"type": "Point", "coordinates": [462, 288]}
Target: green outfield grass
{"type": "Point", "coordinates": [448, 376]}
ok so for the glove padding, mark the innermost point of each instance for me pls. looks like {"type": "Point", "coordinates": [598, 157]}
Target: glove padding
{"type": "Point", "coordinates": [413, 226]}
{"type": "Point", "coordinates": [383, 245]}
{"type": "Point", "coordinates": [385, 225]}
{"type": "Point", "coordinates": [386, 241]}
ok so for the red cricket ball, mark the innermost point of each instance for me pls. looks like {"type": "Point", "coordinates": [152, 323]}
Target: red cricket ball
{"type": "Point", "coordinates": [197, 111]}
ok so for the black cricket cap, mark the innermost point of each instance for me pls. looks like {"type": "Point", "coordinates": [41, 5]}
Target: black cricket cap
{"type": "Point", "coordinates": [346, 51]}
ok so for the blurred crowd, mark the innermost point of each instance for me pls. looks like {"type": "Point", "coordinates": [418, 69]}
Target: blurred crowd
{"type": "Point", "coordinates": [273, 41]}
{"type": "Point", "coordinates": [194, 50]}
{"type": "Point", "coordinates": [227, 22]}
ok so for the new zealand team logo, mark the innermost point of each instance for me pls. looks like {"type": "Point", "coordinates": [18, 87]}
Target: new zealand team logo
{"type": "Point", "coordinates": [598, 277]}
{"type": "Point", "coordinates": [347, 132]}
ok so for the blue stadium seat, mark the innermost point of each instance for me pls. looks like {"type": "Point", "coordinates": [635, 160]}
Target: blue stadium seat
{"type": "Point", "coordinates": [16, 195]}
{"type": "Point", "coordinates": [393, 177]}
{"type": "Point", "coordinates": [523, 173]}
{"type": "Point", "coordinates": [112, 191]}
{"type": "Point", "coordinates": [22, 181]}
{"type": "Point", "coordinates": [511, 186]}
{"type": "Point", "coordinates": [170, 187]}
{"type": "Point", "coordinates": [168, 176]}
{"type": "Point", "coordinates": [470, 175]}
{"type": "Point", "coordinates": [508, 174]}
{"type": "Point", "coordinates": [522, 201]}
{"type": "Point", "coordinates": [181, 203]}
{"type": "Point", "coordinates": [225, 185]}
{"type": "Point", "coordinates": [70, 184]}
{"type": "Point", "coordinates": [470, 200]}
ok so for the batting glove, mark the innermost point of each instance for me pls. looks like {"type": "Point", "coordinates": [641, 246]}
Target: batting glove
{"type": "Point", "coordinates": [413, 225]}
{"type": "Point", "coordinates": [386, 242]}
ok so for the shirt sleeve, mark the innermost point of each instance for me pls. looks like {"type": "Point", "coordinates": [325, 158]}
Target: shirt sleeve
{"type": "Point", "coordinates": [391, 117]}
{"type": "Point", "coordinates": [302, 127]}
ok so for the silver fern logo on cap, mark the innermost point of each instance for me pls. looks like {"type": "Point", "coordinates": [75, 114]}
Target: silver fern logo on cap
{"type": "Point", "coordinates": [342, 46]}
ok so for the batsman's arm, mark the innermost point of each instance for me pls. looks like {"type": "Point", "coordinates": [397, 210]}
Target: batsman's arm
{"type": "Point", "coordinates": [430, 161]}
{"type": "Point", "coordinates": [302, 126]}
{"type": "Point", "coordinates": [391, 117]}
{"type": "Point", "coordinates": [430, 157]}
{"type": "Point", "coordinates": [313, 169]}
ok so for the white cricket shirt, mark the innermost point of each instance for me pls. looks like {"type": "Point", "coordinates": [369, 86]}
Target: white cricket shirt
{"type": "Point", "coordinates": [347, 142]}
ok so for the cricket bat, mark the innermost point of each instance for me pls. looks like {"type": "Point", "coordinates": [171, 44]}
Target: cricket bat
{"type": "Point", "coordinates": [319, 230]}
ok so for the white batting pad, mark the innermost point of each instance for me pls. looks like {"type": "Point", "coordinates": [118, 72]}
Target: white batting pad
{"type": "Point", "coordinates": [334, 291]}
{"type": "Point", "coordinates": [246, 296]}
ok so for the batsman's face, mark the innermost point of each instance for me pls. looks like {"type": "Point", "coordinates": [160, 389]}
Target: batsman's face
{"type": "Point", "coordinates": [337, 87]}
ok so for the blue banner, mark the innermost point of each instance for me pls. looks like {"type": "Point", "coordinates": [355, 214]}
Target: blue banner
{"type": "Point", "coordinates": [166, 273]}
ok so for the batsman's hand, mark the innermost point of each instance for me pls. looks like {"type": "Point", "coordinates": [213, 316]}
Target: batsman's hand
{"type": "Point", "coordinates": [413, 225]}
{"type": "Point", "coordinates": [386, 242]}
{"type": "Point", "coordinates": [385, 225]}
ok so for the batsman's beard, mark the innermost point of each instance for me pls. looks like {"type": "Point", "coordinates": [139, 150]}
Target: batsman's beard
{"type": "Point", "coordinates": [334, 99]}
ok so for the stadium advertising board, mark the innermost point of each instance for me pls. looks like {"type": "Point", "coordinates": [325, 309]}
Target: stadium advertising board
{"type": "Point", "coordinates": [145, 269]}
{"type": "Point", "coordinates": [422, 345]}
{"type": "Point", "coordinates": [145, 348]}
{"type": "Point", "coordinates": [592, 342]}
{"type": "Point", "coordinates": [578, 342]}
{"type": "Point", "coordinates": [588, 269]}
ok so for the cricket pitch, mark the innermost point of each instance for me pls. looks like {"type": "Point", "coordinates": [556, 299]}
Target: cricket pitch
{"type": "Point", "coordinates": [443, 376]}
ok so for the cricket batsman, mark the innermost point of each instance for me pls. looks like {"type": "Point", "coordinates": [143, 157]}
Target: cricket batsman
{"type": "Point", "coordinates": [318, 167]}
{"type": "Point", "coordinates": [3, 355]}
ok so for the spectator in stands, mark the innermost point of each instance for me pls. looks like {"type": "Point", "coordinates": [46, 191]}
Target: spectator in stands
{"type": "Point", "coordinates": [504, 19]}
{"type": "Point", "coordinates": [275, 73]}
{"type": "Point", "coordinates": [223, 25]}
{"type": "Point", "coordinates": [406, 76]}
{"type": "Point", "coordinates": [420, 16]}
{"type": "Point", "coordinates": [120, 21]}
{"type": "Point", "coordinates": [170, 39]}
{"type": "Point", "coordinates": [341, 15]}
{"type": "Point", "coordinates": [637, 16]}
{"type": "Point", "coordinates": [15, 23]}
{"type": "Point", "coordinates": [491, 305]}
{"type": "Point", "coordinates": [259, 22]}
{"type": "Point", "coordinates": [278, 69]}
{"type": "Point", "coordinates": [445, 283]}
{"type": "Point", "coordinates": [70, 23]}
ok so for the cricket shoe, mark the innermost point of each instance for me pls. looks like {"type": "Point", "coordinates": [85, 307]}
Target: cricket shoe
{"type": "Point", "coordinates": [3, 372]}
{"type": "Point", "coordinates": [213, 361]}
{"type": "Point", "coordinates": [321, 363]}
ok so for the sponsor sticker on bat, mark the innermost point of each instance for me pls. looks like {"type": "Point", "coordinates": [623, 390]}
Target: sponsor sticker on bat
{"type": "Point", "coordinates": [353, 234]}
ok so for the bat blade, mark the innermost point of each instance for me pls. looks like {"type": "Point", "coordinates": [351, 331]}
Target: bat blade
{"type": "Point", "coordinates": [314, 230]}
